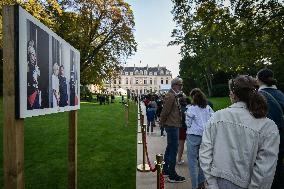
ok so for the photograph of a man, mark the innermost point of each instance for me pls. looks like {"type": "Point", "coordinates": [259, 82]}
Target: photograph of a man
{"type": "Point", "coordinates": [33, 92]}
{"type": "Point", "coordinates": [37, 67]}
{"type": "Point", "coordinates": [73, 79]}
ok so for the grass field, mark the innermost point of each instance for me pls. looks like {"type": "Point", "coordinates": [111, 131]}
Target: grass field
{"type": "Point", "coordinates": [106, 148]}
{"type": "Point", "coordinates": [220, 102]}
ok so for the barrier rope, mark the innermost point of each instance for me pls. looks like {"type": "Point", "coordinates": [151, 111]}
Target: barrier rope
{"type": "Point", "coordinates": [162, 181]}
{"type": "Point", "coordinates": [146, 151]}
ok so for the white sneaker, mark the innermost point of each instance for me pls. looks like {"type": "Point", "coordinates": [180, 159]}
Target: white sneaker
{"type": "Point", "coordinates": [180, 162]}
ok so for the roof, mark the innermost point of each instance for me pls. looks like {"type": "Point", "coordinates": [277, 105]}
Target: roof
{"type": "Point", "coordinates": [157, 69]}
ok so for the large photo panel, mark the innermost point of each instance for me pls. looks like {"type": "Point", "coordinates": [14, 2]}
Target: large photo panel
{"type": "Point", "coordinates": [49, 70]}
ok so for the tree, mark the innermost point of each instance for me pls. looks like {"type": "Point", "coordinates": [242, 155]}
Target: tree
{"type": "Point", "coordinates": [238, 38]}
{"type": "Point", "coordinates": [102, 30]}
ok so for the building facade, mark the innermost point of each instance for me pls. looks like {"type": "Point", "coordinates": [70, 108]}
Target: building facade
{"type": "Point", "coordinates": [140, 80]}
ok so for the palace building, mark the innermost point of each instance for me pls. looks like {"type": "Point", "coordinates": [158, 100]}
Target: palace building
{"type": "Point", "coordinates": [140, 80]}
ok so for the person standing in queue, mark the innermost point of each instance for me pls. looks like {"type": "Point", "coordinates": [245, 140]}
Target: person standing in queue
{"type": "Point", "coordinates": [275, 101]}
{"type": "Point", "coordinates": [240, 144]}
{"type": "Point", "coordinates": [171, 120]}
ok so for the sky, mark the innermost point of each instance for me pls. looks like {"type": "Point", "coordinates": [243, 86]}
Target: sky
{"type": "Point", "coordinates": [153, 26]}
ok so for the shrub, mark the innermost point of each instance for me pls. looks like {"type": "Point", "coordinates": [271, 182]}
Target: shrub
{"type": "Point", "coordinates": [85, 93]}
{"type": "Point", "coordinates": [220, 90]}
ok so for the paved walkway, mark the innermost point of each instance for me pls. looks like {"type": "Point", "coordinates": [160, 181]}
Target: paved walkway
{"type": "Point", "coordinates": [156, 145]}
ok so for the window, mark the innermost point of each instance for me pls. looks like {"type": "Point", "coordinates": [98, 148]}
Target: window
{"type": "Point", "coordinates": [126, 73]}
{"type": "Point", "coordinates": [136, 82]}
{"type": "Point", "coordinates": [167, 82]}
{"type": "Point", "coordinates": [126, 81]}
{"type": "Point", "coordinates": [162, 72]}
{"type": "Point", "coordinates": [150, 73]}
{"type": "Point", "coordinates": [145, 72]}
{"type": "Point", "coordinates": [167, 72]}
{"type": "Point", "coordinates": [145, 82]}
{"type": "Point", "coordinates": [136, 72]}
{"type": "Point", "coordinates": [155, 73]}
{"type": "Point", "coordinates": [162, 81]}
{"type": "Point", "coordinates": [141, 72]}
{"type": "Point", "coordinates": [151, 82]}
{"type": "Point", "coordinates": [114, 81]}
{"type": "Point", "coordinates": [131, 73]}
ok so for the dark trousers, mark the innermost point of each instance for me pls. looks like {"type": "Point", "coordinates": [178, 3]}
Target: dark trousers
{"type": "Point", "coordinates": [152, 124]}
{"type": "Point", "coordinates": [171, 150]}
{"type": "Point", "coordinates": [279, 173]}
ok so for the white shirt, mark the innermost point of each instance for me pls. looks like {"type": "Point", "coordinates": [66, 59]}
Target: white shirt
{"type": "Point", "coordinates": [196, 118]}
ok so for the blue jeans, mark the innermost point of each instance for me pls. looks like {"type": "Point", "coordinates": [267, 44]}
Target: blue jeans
{"type": "Point", "coordinates": [171, 150]}
{"type": "Point", "coordinates": [193, 144]}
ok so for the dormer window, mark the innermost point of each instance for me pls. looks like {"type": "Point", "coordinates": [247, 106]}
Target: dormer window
{"type": "Point", "coordinates": [155, 73]}
{"type": "Point", "coordinates": [126, 73]}
{"type": "Point", "coordinates": [136, 72]}
{"type": "Point", "coordinates": [150, 73]}
{"type": "Point", "coordinates": [131, 73]}
{"type": "Point", "coordinates": [141, 72]}
{"type": "Point", "coordinates": [145, 72]}
{"type": "Point", "coordinates": [162, 72]}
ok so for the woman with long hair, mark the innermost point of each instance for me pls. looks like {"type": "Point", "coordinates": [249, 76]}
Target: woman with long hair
{"type": "Point", "coordinates": [240, 145]}
{"type": "Point", "coordinates": [196, 117]}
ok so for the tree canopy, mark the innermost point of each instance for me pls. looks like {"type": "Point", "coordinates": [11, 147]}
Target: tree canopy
{"type": "Point", "coordinates": [234, 36]}
{"type": "Point", "coordinates": [102, 30]}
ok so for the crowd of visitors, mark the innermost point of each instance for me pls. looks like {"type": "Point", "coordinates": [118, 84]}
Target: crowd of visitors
{"type": "Point", "coordinates": [241, 146]}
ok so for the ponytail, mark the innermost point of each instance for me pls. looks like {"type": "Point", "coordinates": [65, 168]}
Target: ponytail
{"type": "Point", "coordinates": [257, 105]}
{"type": "Point", "coordinates": [244, 87]}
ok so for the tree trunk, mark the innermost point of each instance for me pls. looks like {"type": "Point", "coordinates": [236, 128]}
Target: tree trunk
{"type": "Point", "coordinates": [208, 85]}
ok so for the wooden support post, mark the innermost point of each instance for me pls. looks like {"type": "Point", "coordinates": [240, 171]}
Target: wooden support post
{"type": "Point", "coordinates": [13, 129]}
{"type": "Point", "coordinates": [72, 178]}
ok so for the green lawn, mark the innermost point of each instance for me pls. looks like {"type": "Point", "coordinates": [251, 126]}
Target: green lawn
{"type": "Point", "coordinates": [220, 102]}
{"type": "Point", "coordinates": [106, 148]}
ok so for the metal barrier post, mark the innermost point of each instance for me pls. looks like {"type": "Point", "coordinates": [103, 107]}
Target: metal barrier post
{"type": "Point", "coordinates": [143, 167]}
{"type": "Point", "coordinates": [159, 166]}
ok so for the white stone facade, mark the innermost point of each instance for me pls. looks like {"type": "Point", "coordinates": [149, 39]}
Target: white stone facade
{"type": "Point", "coordinates": [140, 80]}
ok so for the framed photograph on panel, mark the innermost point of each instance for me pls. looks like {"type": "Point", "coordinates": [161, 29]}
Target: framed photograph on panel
{"type": "Point", "coordinates": [48, 69]}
